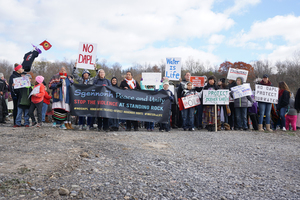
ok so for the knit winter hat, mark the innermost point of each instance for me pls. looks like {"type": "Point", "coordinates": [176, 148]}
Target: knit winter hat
{"type": "Point", "coordinates": [39, 79]}
{"type": "Point", "coordinates": [18, 67]}
{"type": "Point", "coordinates": [166, 82]}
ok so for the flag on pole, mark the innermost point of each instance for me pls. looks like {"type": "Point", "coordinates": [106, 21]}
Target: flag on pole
{"type": "Point", "coordinates": [46, 45]}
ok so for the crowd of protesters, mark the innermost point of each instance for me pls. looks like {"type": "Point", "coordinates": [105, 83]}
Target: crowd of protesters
{"type": "Point", "coordinates": [241, 114]}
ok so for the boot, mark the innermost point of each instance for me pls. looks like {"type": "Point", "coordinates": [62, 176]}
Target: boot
{"type": "Point", "coordinates": [47, 119]}
{"type": "Point", "coordinates": [260, 128]}
{"type": "Point", "coordinates": [70, 126]}
{"type": "Point", "coordinates": [67, 126]}
{"type": "Point", "coordinates": [268, 128]}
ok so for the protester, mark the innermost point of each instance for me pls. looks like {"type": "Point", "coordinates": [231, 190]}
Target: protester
{"type": "Point", "coordinates": [16, 74]}
{"type": "Point", "coordinates": [5, 92]}
{"type": "Point", "coordinates": [297, 107]}
{"type": "Point", "coordinates": [37, 100]}
{"type": "Point", "coordinates": [200, 106]}
{"type": "Point", "coordinates": [209, 114]}
{"type": "Point", "coordinates": [60, 84]}
{"type": "Point", "coordinates": [252, 112]}
{"type": "Point", "coordinates": [46, 103]}
{"type": "Point", "coordinates": [114, 123]}
{"type": "Point", "coordinates": [148, 125]}
{"type": "Point", "coordinates": [232, 117]}
{"type": "Point", "coordinates": [86, 80]}
{"type": "Point", "coordinates": [223, 108]}
{"type": "Point", "coordinates": [283, 103]}
{"type": "Point", "coordinates": [130, 84]}
{"type": "Point", "coordinates": [241, 104]}
{"type": "Point", "coordinates": [3, 105]}
{"type": "Point", "coordinates": [166, 126]}
{"type": "Point", "coordinates": [24, 102]}
{"type": "Point", "coordinates": [264, 108]}
{"type": "Point", "coordinates": [188, 114]}
{"type": "Point", "coordinates": [102, 81]}
{"type": "Point", "coordinates": [291, 117]}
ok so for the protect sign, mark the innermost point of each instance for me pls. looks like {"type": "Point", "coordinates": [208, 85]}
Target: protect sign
{"type": "Point", "coordinates": [198, 81]}
{"type": "Point", "coordinates": [173, 68]}
{"type": "Point", "coordinates": [212, 97]}
{"type": "Point", "coordinates": [86, 55]}
{"type": "Point", "coordinates": [235, 73]}
{"type": "Point", "coordinates": [266, 94]}
{"type": "Point", "coordinates": [190, 101]}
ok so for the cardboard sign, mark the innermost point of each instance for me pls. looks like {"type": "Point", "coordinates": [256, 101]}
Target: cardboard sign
{"type": "Point", "coordinates": [235, 73]}
{"type": "Point", "coordinates": [21, 82]}
{"type": "Point", "coordinates": [198, 81]}
{"type": "Point", "coordinates": [86, 55]}
{"type": "Point", "coordinates": [173, 68]}
{"type": "Point", "coordinates": [212, 97]}
{"type": "Point", "coordinates": [241, 91]}
{"type": "Point", "coordinates": [190, 101]}
{"type": "Point", "coordinates": [266, 94]}
{"type": "Point", "coordinates": [151, 78]}
{"type": "Point", "coordinates": [35, 90]}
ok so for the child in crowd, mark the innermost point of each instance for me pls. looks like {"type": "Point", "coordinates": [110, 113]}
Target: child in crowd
{"type": "Point", "coordinates": [291, 117]}
{"type": "Point", "coordinates": [37, 101]}
{"type": "Point", "coordinates": [166, 126]}
{"type": "Point", "coordinates": [23, 104]}
{"type": "Point", "coordinates": [188, 114]}
{"type": "Point", "coordinates": [46, 103]}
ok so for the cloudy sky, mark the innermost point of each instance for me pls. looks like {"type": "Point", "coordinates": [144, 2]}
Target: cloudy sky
{"type": "Point", "coordinates": [136, 31]}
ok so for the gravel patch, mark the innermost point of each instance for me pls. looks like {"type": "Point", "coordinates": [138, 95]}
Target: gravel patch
{"type": "Point", "coordinates": [48, 163]}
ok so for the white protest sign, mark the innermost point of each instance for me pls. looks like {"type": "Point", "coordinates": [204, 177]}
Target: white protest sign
{"type": "Point", "coordinates": [86, 55]}
{"type": "Point", "coordinates": [21, 82]}
{"type": "Point", "coordinates": [173, 68]}
{"type": "Point", "coordinates": [190, 101]}
{"type": "Point", "coordinates": [151, 78]}
{"type": "Point", "coordinates": [266, 94]}
{"type": "Point", "coordinates": [35, 90]}
{"type": "Point", "coordinates": [172, 89]}
{"type": "Point", "coordinates": [212, 97]}
{"type": "Point", "coordinates": [241, 90]}
{"type": "Point", "coordinates": [235, 73]}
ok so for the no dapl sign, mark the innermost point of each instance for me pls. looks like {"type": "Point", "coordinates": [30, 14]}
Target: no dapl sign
{"type": "Point", "coordinates": [86, 55]}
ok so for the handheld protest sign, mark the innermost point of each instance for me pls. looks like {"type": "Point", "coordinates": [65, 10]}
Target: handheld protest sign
{"type": "Point", "coordinates": [198, 81]}
{"type": "Point", "coordinates": [190, 101]}
{"type": "Point", "coordinates": [87, 53]}
{"type": "Point", "coordinates": [151, 78]}
{"type": "Point", "coordinates": [241, 91]}
{"type": "Point", "coordinates": [212, 97]}
{"type": "Point", "coordinates": [235, 73]}
{"type": "Point", "coordinates": [21, 82]}
{"type": "Point", "coordinates": [173, 68]}
{"type": "Point", "coordinates": [266, 94]}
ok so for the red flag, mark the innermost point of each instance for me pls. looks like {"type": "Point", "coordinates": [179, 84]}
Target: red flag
{"type": "Point", "coordinates": [46, 45]}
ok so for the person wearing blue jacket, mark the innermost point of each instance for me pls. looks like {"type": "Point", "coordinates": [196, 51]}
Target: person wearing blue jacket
{"type": "Point", "coordinates": [102, 81]}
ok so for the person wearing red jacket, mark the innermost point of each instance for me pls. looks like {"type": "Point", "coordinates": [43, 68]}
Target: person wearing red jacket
{"type": "Point", "coordinates": [46, 103]}
{"type": "Point", "coordinates": [37, 100]}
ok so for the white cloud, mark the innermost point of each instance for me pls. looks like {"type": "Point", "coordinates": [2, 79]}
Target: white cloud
{"type": "Point", "coordinates": [216, 39]}
{"type": "Point", "coordinates": [118, 27]}
{"type": "Point", "coordinates": [240, 6]}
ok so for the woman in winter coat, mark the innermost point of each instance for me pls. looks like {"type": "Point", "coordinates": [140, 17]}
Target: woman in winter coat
{"type": "Point", "coordinates": [114, 123]}
{"type": "Point", "coordinates": [240, 106]}
{"type": "Point", "coordinates": [283, 102]}
{"type": "Point", "coordinates": [265, 108]}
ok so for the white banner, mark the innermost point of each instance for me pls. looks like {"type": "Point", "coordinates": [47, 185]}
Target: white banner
{"type": "Point", "coordinates": [21, 82]}
{"type": "Point", "coordinates": [212, 97]}
{"type": "Point", "coordinates": [151, 78]}
{"type": "Point", "coordinates": [235, 73]}
{"type": "Point", "coordinates": [266, 94]}
{"type": "Point", "coordinates": [86, 55]}
{"type": "Point", "coordinates": [173, 68]}
{"type": "Point", "coordinates": [241, 91]}
{"type": "Point", "coordinates": [190, 101]}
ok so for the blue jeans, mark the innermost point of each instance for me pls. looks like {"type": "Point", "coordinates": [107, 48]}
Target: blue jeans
{"type": "Point", "coordinates": [264, 109]}
{"type": "Point", "coordinates": [44, 110]}
{"type": "Point", "coordinates": [188, 118]}
{"type": "Point", "coordinates": [165, 126]}
{"type": "Point", "coordinates": [19, 116]}
{"type": "Point", "coordinates": [81, 120]}
{"type": "Point", "coordinates": [200, 112]}
{"type": "Point", "coordinates": [282, 113]}
{"type": "Point", "coordinates": [113, 122]}
{"type": "Point", "coordinates": [241, 117]}
{"type": "Point", "coordinates": [149, 125]}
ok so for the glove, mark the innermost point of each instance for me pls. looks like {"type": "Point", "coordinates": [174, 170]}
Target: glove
{"type": "Point", "coordinates": [59, 85]}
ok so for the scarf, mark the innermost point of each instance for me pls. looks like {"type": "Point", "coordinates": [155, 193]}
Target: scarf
{"type": "Point", "coordinates": [280, 93]}
{"type": "Point", "coordinates": [267, 84]}
{"type": "Point", "coordinates": [131, 83]}
{"type": "Point", "coordinates": [63, 75]}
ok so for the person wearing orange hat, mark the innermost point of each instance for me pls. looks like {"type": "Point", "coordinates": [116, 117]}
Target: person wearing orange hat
{"type": "Point", "coordinates": [18, 69]}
